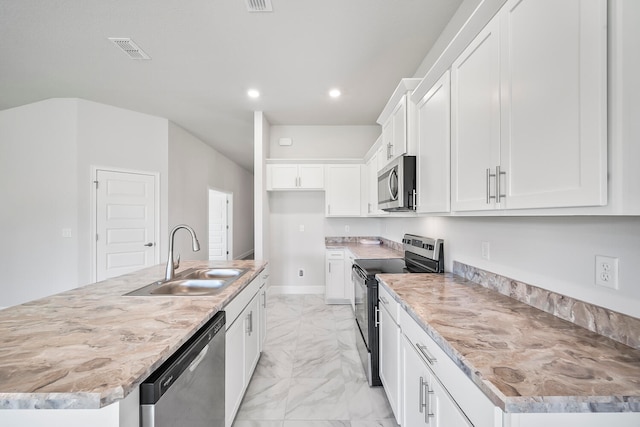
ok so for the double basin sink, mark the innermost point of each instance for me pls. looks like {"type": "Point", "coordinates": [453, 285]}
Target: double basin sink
{"type": "Point", "coordinates": [193, 282]}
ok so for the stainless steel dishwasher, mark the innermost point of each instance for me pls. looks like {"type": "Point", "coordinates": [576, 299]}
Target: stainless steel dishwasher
{"type": "Point", "coordinates": [188, 389]}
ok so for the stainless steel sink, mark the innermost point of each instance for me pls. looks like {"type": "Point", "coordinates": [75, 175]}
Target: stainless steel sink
{"type": "Point", "coordinates": [193, 282]}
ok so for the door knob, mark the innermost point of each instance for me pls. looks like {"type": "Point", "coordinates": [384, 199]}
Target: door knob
{"type": "Point", "coordinates": [149, 244]}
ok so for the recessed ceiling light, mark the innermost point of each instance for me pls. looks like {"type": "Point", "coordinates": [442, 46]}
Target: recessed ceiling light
{"type": "Point", "coordinates": [253, 93]}
{"type": "Point", "coordinates": [334, 93]}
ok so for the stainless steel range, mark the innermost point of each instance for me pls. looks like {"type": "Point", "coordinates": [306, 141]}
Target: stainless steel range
{"type": "Point", "coordinates": [421, 255]}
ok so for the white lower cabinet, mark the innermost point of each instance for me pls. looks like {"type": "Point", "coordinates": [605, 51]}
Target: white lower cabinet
{"type": "Point", "coordinates": [242, 345]}
{"type": "Point", "coordinates": [389, 347]}
{"type": "Point", "coordinates": [426, 402]}
{"type": "Point", "coordinates": [435, 392]}
{"type": "Point", "coordinates": [262, 295]}
{"type": "Point", "coordinates": [335, 278]}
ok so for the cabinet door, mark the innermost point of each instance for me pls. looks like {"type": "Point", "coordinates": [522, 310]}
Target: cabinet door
{"type": "Point", "coordinates": [343, 190]}
{"type": "Point", "coordinates": [311, 177]}
{"type": "Point", "coordinates": [475, 121]}
{"type": "Point", "coordinates": [283, 176]}
{"type": "Point", "coordinates": [399, 118]}
{"type": "Point", "coordinates": [389, 359]}
{"type": "Point", "coordinates": [262, 327]}
{"type": "Point", "coordinates": [415, 376]}
{"type": "Point", "coordinates": [234, 368]}
{"type": "Point", "coordinates": [349, 286]}
{"type": "Point", "coordinates": [554, 116]}
{"type": "Point", "coordinates": [251, 336]}
{"type": "Point", "coordinates": [425, 401]}
{"type": "Point", "coordinates": [334, 291]}
{"type": "Point", "coordinates": [433, 167]}
{"type": "Point", "coordinates": [387, 142]}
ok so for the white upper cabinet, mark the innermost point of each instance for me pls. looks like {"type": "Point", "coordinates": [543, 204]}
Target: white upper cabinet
{"type": "Point", "coordinates": [343, 190]}
{"type": "Point", "coordinates": [295, 177]}
{"type": "Point", "coordinates": [433, 162]}
{"type": "Point", "coordinates": [475, 120]}
{"type": "Point", "coordinates": [396, 119]}
{"type": "Point", "coordinates": [529, 109]}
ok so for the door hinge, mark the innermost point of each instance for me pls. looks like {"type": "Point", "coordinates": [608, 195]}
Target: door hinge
{"type": "Point", "coordinates": [96, 183]}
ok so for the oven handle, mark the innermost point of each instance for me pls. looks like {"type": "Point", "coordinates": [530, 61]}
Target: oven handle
{"type": "Point", "coordinates": [357, 270]}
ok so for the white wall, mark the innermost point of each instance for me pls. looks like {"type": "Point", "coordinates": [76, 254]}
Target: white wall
{"type": "Point", "coordinates": [38, 198]}
{"type": "Point", "coordinates": [556, 253]}
{"type": "Point", "coordinates": [290, 249]}
{"type": "Point", "coordinates": [48, 150]}
{"type": "Point", "coordinates": [112, 137]}
{"type": "Point", "coordinates": [261, 151]}
{"type": "Point", "coordinates": [194, 167]}
{"type": "Point", "coordinates": [323, 142]}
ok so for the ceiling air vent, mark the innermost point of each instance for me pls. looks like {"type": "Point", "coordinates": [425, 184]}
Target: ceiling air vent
{"type": "Point", "coordinates": [130, 48]}
{"type": "Point", "coordinates": [259, 6]}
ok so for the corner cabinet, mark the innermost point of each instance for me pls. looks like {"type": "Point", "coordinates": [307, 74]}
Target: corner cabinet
{"type": "Point", "coordinates": [243, 344]}
{"type": "Point", "coordinates": [529, 109]}
{"type": "Point", "coordinates": [295, 177]}
{"type": "Point", "coordinates": [343, 190]}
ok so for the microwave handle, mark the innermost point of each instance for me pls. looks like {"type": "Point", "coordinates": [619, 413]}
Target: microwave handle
{"type": "Point", "coordinates": [391, 174]}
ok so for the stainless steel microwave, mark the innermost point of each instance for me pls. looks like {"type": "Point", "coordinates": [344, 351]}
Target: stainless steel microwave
{"type": "Point", "coordinates": [397, 185]}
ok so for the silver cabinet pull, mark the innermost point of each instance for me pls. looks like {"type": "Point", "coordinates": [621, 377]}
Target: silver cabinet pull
{"type": "Point", "coordinates": [489, 176]}
{"type": "Point", "coordinates": [264, 299]}
{"type": "Point", "coordinates": [428, 356]}
{"type": "Point", "coordinates": [422, 404]}
{"type": "Point", "coordinates": [250, 323]}
{"type": "Point", "coordinates": [148, 244]}
{"type": "Point", "coordinates": [499, 194]}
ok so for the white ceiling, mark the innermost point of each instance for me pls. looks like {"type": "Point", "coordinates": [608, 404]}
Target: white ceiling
{"type": "Point", "coordinates": [207, 53]}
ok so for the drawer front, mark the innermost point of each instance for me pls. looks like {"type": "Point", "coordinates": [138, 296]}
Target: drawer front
{"type": "Point", "coordinates": [386, 301]}
{"type": "Point", "coordinates": [335, 254]}
{"type": "Point", "coordinates": [237, 304]}
{"type": "Point", "coordinates": [473, 402]}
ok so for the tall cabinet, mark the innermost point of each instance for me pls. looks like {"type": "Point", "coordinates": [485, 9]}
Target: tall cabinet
{"type": "Point", "coordinates": [529, 109]}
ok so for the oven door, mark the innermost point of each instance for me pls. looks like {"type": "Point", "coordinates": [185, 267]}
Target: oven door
{"type": "Point", "coordinates": [362, 318]}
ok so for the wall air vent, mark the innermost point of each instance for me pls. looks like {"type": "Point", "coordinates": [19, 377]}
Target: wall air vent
{"type": "Point", "coordinates": [259, 5]}
{"type": "Point", "coordinates": [130, 48]}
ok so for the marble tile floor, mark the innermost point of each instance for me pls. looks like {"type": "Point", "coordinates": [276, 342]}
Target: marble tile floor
{"type": "Point", "coordinates": [309, 374]}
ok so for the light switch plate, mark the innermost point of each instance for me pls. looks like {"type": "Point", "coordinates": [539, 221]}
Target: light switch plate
{"type": "Point", "coordinates": [485, 250]}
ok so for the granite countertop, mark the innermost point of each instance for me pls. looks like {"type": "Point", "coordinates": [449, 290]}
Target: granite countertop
{"type": "Point", "coordinates": [522, 358]}
{"type": "Point", "coordinates": [91, 346]}
{"type": "Point", "coordinates": [364, 251]}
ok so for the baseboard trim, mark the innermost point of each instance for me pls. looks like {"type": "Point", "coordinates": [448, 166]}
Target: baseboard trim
{"type": "Point", "coordinates": [296, 290]}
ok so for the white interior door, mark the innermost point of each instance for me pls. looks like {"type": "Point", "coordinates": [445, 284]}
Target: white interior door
{"type": "Point", "coordinates": [126, 238]}
{"type": "Point", "coordinates": [218, 226]}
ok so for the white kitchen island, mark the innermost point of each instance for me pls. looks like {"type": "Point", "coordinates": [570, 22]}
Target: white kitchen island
{"type": "Point", "coordinates": [78, 358]}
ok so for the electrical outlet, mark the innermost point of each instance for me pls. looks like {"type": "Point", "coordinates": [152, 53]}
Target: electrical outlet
{"type": "Point", "coordinates": [301, 227]}
{"type": "Point", "coordinates": [607, 271]}
{"type": "Point", "coordinates": [66, 233]}
{"type": "Point", "coordinates": [346, 228]}
{"type": "Point", "coordinates": [485, 250]}
{"type": "Point", "coordinates": [301, 272]}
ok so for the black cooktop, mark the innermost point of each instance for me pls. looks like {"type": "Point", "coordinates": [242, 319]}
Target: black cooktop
{"type": "Point", "coordinates": [372, 267]}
